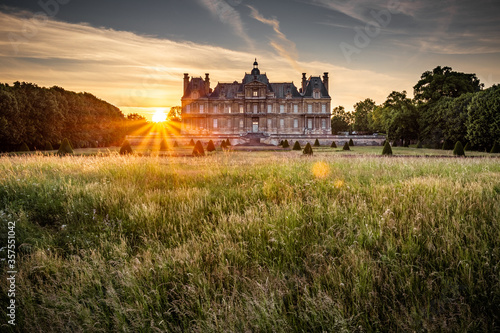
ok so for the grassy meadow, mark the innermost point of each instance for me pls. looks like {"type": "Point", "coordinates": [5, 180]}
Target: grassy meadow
{"type": "Point", "coordinates": [252, 242]}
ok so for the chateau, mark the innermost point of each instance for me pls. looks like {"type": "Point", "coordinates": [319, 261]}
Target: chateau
{"type": "Point", "coordinates": [256, 107]}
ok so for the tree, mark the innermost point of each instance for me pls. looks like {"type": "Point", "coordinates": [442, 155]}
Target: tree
{"type": "Point", "coordinates": [399, 116]}
{"type": "Point", "coordinates": [444, 82]}
{"type": "Point", "coordinates": [210, 146]}
{"type": "Point", "coordinates": [65, 148]}
{"type": "Point", "coordinates": [135, 117]}
{"type": "Point", "coordinates": [362, 115]}
{"type": "Point", "coordinates": [297, 146]}
{"type": "Point", "coordinates": [286, 144]}
{"type": "Point", "coordinates": [459, 149]}
{"type": "Point", "coordinates": [340, 121]}
{"type": "Point", "coordinates": [191, 143]}
{"type": "Point", "coordinates": [175, 114]}
{"type": "Point", "coordinates": [126, 148]}
{"type": "Point", "coordinates": [198, 149]}
{"type": "Point", "coordinates": [351, 143]}
{"type": "Point", "coordinates": [23, 147]}
{"type": "Point", "coordinates": [346, 146]}
{"type": "Point", "coordinates": [467, 146]}
{"type": "Point", "coordinates": [308, 149]}
{"type": "Point", "coordinates": [316, 143]}
{"type": "Point", "coordinates": [48, 146]}
{"type": "Point", "coordinates": [483, 123]}
{"type": "Point", "coordinates": [495, 149]}
{"type": "Point", "coordinates": [387, 149]}
{"type": "Point", "coordinates": [176, 144]}
{"type": "Point", "coordinates": [228, 143]}
{"type": "Point", "coordinates": [163, 145]}
{"type": "Point", "coordinates": [333, 145]}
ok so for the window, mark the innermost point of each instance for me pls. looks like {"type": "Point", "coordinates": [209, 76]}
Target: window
{"type": "Point", "coordinates": [255, 93]}
{"type": "Point", "coordinates": [269, 108]}
{"type": "Point", "coordinates": [282, 123]}
{"type": "Point", "coordinates": [282, 109]}
{"type": "Point", "coordinates": [295, 108]}
{"type": "Point", "coordinates": [269, 123]}
{"type": "Point", "coordinates": [241, 123]}
{"type": "Point", "coordinates": [295, 123]}
{"type": "Point", "coordinates": [188, 108]}
{"type": "Point", "coordinates": [229, 125]}
{"type": "Point", "coordinates": [323, 108]}
{"type": "Point", "coordinates": [316, 94]}
{"type": "Point", "coordinates": [255, 108]}
{"type": "Point", "coordinates": [215, 123]}
{"type": "Point", "coordinates": [323, 123]}
{"type": "Point", "coordinates": [202, 108]}
{"type": "Point", "coordinates": [309, 123]}
{"type": "Point", "coordinates": [241, 109]}
{"type": "Point", "coordinates": [309, 108]}
{"type": "Point", "coordinates": [229, 109]}
{"type": "Point", "coordinates": [215, 109]}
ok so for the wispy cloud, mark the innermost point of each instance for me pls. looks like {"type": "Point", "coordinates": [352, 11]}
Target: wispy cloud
{"type": "Point", "coordinates": [286, 48]}
{"type": "Point", "coordinates": [133, 71]}
{"type": "Point", "coordinates": [228, 15]}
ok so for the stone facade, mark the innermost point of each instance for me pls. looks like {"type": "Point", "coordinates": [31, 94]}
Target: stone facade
{"type": "Point", "coordinates": [255, 106]}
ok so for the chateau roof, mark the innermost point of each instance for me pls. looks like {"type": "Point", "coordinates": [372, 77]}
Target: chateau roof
{"type": "Point", "coordinates": [229, 90]}
{"type": "Point", "coordinates": [196, 84]}
{"type": "Point", "coordinates": [315, 82]}
{"type": "Point", "coordinates": [285, 88]}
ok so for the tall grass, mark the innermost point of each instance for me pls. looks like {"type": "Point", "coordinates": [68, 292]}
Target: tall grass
{"type": "Point", "coordinates": [253, 242]}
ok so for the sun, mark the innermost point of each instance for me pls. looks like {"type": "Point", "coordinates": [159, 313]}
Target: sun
{"type": "Point", "coordinates": [159, 115]}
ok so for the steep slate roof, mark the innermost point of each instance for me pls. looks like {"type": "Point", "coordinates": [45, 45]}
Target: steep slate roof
{"type": "Point", "coordinates": [315, 82]}
{"type": "Point", "coordinates": [260, 78]}
{"type": "Point", "coordinates": [229, 89]}
{"type": "Point", "coordinates": [282, 89]}
{"type": "Point", "coordinates": [195, 82]}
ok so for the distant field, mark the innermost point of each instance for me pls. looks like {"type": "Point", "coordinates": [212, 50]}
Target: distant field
{"type": "Point", "coordinates": [253, 242]}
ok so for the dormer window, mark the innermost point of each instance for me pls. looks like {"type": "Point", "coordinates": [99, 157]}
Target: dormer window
{"type": "Point", "coordinates": [195, 95]}
{"type": "Point", "coordinates": [316, 94]}
{"type": "Point", "coordinates": [255, 93]}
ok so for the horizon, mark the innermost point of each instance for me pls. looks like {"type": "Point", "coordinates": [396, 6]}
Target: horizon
{"type": "Point", "coordinates": [369, 49]}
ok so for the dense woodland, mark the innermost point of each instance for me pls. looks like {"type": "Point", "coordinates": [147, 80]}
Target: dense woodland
{"type": "Point", "coordinates": [40, 116]}
{"type": "Point", "coordinates": [448, 107]}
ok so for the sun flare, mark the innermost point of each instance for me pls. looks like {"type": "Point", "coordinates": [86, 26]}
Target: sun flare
{"type": "Point", "coordinates": [159, 116]}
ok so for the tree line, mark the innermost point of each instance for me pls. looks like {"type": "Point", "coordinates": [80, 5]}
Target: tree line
{"type": "Point", "coordinates": [39, 117]}
{"type": "Point", "coordinates": [447, 107]}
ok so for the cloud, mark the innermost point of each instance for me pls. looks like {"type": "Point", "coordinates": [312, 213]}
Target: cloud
{"type": "Point", "coordinates": [229, 16]}
{"type": "Point", "coordinates": [286, 48]}
{"type": "Point", "coordinates": [133, 71]}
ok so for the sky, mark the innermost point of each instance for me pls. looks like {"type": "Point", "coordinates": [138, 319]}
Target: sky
{"type": "Point", "coordinates": [133, 53]}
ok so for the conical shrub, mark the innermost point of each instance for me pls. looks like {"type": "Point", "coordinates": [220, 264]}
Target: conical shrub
{"type": "Point", "coordinates": [281, 143]}
{"type": "Point", "coordinates": [467, 146]}
{"type": "Point", "coordinates": [297, 146]}
{"type": "Point", "coordinates": [198, 149]}
{"type": "Point", "coordinates": [48, 146]}
{"type": "Point", "coordinates": [383, 143]}
{"type": "Point", "coordinates": [308, 149]}
{"type": "Point", "coordinates": [126, 148]}
{"type": "Point", "coordinates": [387, 149]}
{"type": "Point", "coordinates": [459, 149]}
{"type": "Point", "coordinates": [346, 146]}
{"type": "Point", "coordinates": [223, 144]}
{"type": "Point", "coordinates": [23, 147]}
{"type": "Point", "coordinates": [495, 149]}
{"type": "Point", "coordinates": [191, 143]}
{"type": "Point", "coordinates": [419, 144]}
{"type": "Point", "coordinates": [210, 146]}
{"type": "Point", "coordinates": [176, 144]}
{"type": "Point", "coordinates": [163, 145]}
{"type": "Point", "coordinates": [351, 143]}
{"type": "Point", "coordinates": [333, 145]}
{"type": "Point", "coordinates": [228, 143]}
{"type": "Point", "coordinates": [316, 143]}
{"type": "Point", "coordinates": [286, 144]}
{"type": "Point", "coordinates": [65, 148]}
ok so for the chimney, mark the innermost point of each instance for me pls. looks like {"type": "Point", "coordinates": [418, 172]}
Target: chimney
{"type": "Point", "coordinates": [304, 80]}
{"type": "Point", "coordinates": [207, 84]}
{"type": "Point", "coordinates": [186, 82]}
{"type": "Point", "coordinates": [325, 81]}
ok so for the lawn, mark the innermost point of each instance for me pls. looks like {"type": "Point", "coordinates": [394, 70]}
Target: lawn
{"type": "Point", "coordinates": [252, 241]}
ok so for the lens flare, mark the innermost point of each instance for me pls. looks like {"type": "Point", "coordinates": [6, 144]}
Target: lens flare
{"type": "Point", "coordinates": [321, 170]}
{"type": "Point", "coordinates": [159, 116]}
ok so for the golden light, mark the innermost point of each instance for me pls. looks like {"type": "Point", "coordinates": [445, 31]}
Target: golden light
{"type": "Point", "coordinates": [159, 116]}
{"type": "Point", "coordinates": [321, 170]}
{"type": "Point", "coordinates": [338, 183]}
